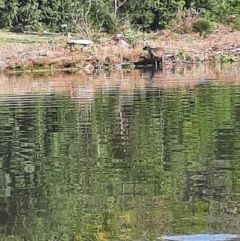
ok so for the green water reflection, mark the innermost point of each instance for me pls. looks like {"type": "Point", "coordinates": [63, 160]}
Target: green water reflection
{"type": "Point", "coordinates": [120, 167]}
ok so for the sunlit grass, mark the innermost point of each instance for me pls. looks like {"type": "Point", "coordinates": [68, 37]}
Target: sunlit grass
{"type": "Point", "coordinates": [28, 38]}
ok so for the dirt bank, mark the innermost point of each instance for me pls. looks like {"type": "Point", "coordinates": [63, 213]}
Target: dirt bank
{"type": "Point", "coordinates": [220, 46]}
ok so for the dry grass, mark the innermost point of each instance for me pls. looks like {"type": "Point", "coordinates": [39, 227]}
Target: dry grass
{"type": "Point", "coordinates": [193, 49]}
{"type": "Point", "coordinates": [51, 52]}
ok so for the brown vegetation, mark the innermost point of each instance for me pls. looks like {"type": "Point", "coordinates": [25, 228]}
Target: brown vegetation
{"type": "Point", "coordinates": [220, 46]}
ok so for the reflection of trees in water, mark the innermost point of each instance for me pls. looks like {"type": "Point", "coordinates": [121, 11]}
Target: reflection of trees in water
{"type": "Point", "coordinates": [66, 163]}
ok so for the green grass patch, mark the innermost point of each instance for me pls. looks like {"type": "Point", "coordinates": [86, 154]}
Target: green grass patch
{"type": "Point", "coordinates": [27, 38]}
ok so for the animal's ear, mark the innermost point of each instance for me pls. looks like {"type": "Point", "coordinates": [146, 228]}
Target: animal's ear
{"type": "Point", "coordinates": [146, 44]}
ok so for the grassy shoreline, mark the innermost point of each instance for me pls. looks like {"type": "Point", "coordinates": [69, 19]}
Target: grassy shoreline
{"type": "Point", "coordinates": [27, 53]}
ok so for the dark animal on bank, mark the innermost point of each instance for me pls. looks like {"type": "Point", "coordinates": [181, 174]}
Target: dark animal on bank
{"type": "Point", "coordinates": [157, 55]}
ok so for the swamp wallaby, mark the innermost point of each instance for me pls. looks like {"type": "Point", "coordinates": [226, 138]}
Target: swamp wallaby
{"type": "Point", "coordinates": [157, 55]}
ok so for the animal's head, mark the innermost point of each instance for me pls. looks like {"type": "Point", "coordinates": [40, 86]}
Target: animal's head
{"type": "Point", "coordinates": [147, 47]}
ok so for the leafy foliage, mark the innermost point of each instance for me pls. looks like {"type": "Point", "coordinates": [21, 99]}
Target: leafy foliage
{"type": "Point", "coordinates": [201, 26]}
{"type": "Point", "coordinates": [110, 15]}
{"type": "Point", "coordinates": [1, 3]}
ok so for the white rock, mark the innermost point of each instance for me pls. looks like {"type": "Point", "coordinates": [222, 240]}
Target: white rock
{"type": "Point", "coordinates": [80, 41]}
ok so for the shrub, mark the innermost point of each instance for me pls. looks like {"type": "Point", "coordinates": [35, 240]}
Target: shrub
{"type": "Point", "coordinates": [201, 26]}
{"type": "Point", "coordinates": [236, 24]}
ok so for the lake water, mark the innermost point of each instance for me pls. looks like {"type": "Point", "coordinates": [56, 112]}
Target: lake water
{"type": "Point", "coordinates": [124, 156]}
